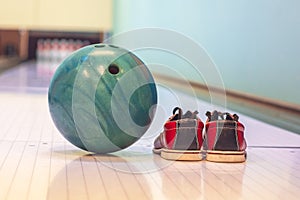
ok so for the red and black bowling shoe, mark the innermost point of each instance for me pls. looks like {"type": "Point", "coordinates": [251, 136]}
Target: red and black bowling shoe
{"type": "Point", "coordinates": [182, 137]}
{"type": "Point", "coordinates": [224, 138]}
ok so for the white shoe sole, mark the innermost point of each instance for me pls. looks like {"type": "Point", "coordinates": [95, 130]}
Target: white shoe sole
{"type": "Point", "coordinates": [226, 156]}
{"type": "Point", "coordinates": [183, 155]}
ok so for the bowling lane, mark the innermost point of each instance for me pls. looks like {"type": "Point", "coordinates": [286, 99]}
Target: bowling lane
{"type": "Point", "coordinates": [28, 77]}
{"type": "Point", "coordinates": [36, 162]}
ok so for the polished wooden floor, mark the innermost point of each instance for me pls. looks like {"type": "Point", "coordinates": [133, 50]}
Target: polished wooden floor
{"type": "Point", "coordinates": [37, 163]}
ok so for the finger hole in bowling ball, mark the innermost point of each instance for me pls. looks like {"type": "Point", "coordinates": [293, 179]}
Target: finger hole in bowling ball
{"type": "Point", "coordinates": [99, 45]}
{"type": "Point", "coordinates": [113, 69]}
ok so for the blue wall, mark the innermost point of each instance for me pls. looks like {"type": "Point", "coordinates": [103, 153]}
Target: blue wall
{"type": "Point", "coordinates": [254, 44]}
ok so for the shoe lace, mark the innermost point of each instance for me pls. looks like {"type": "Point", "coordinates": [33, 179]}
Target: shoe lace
{"type": "Point", "coordinates": [215, 115]}
{"type": "Point", "coordinates": [187, 115]}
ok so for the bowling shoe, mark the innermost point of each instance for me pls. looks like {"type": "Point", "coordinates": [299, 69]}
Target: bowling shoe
{"type": "Point", "coordinates": [224, 138]}
{"type": "Point", "coordinates": [181, 138]}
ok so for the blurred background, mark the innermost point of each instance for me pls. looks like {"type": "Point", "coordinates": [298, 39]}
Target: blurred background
{"type": "Point", "coordinates": [254, 44]}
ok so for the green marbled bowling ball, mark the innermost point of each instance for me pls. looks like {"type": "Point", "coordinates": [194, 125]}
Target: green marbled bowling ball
{"type": "Point", "coordinates": [102, 98]}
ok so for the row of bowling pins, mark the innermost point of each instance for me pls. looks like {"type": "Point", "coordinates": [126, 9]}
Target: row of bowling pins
{"type": "Point", "coordinates": [50, 53]}
{"type": "Point", "coordinates": [56, 50]}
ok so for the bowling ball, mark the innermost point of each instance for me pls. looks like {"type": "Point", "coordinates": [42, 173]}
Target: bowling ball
{"type": "Point", "coordinates": [102, 98]}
